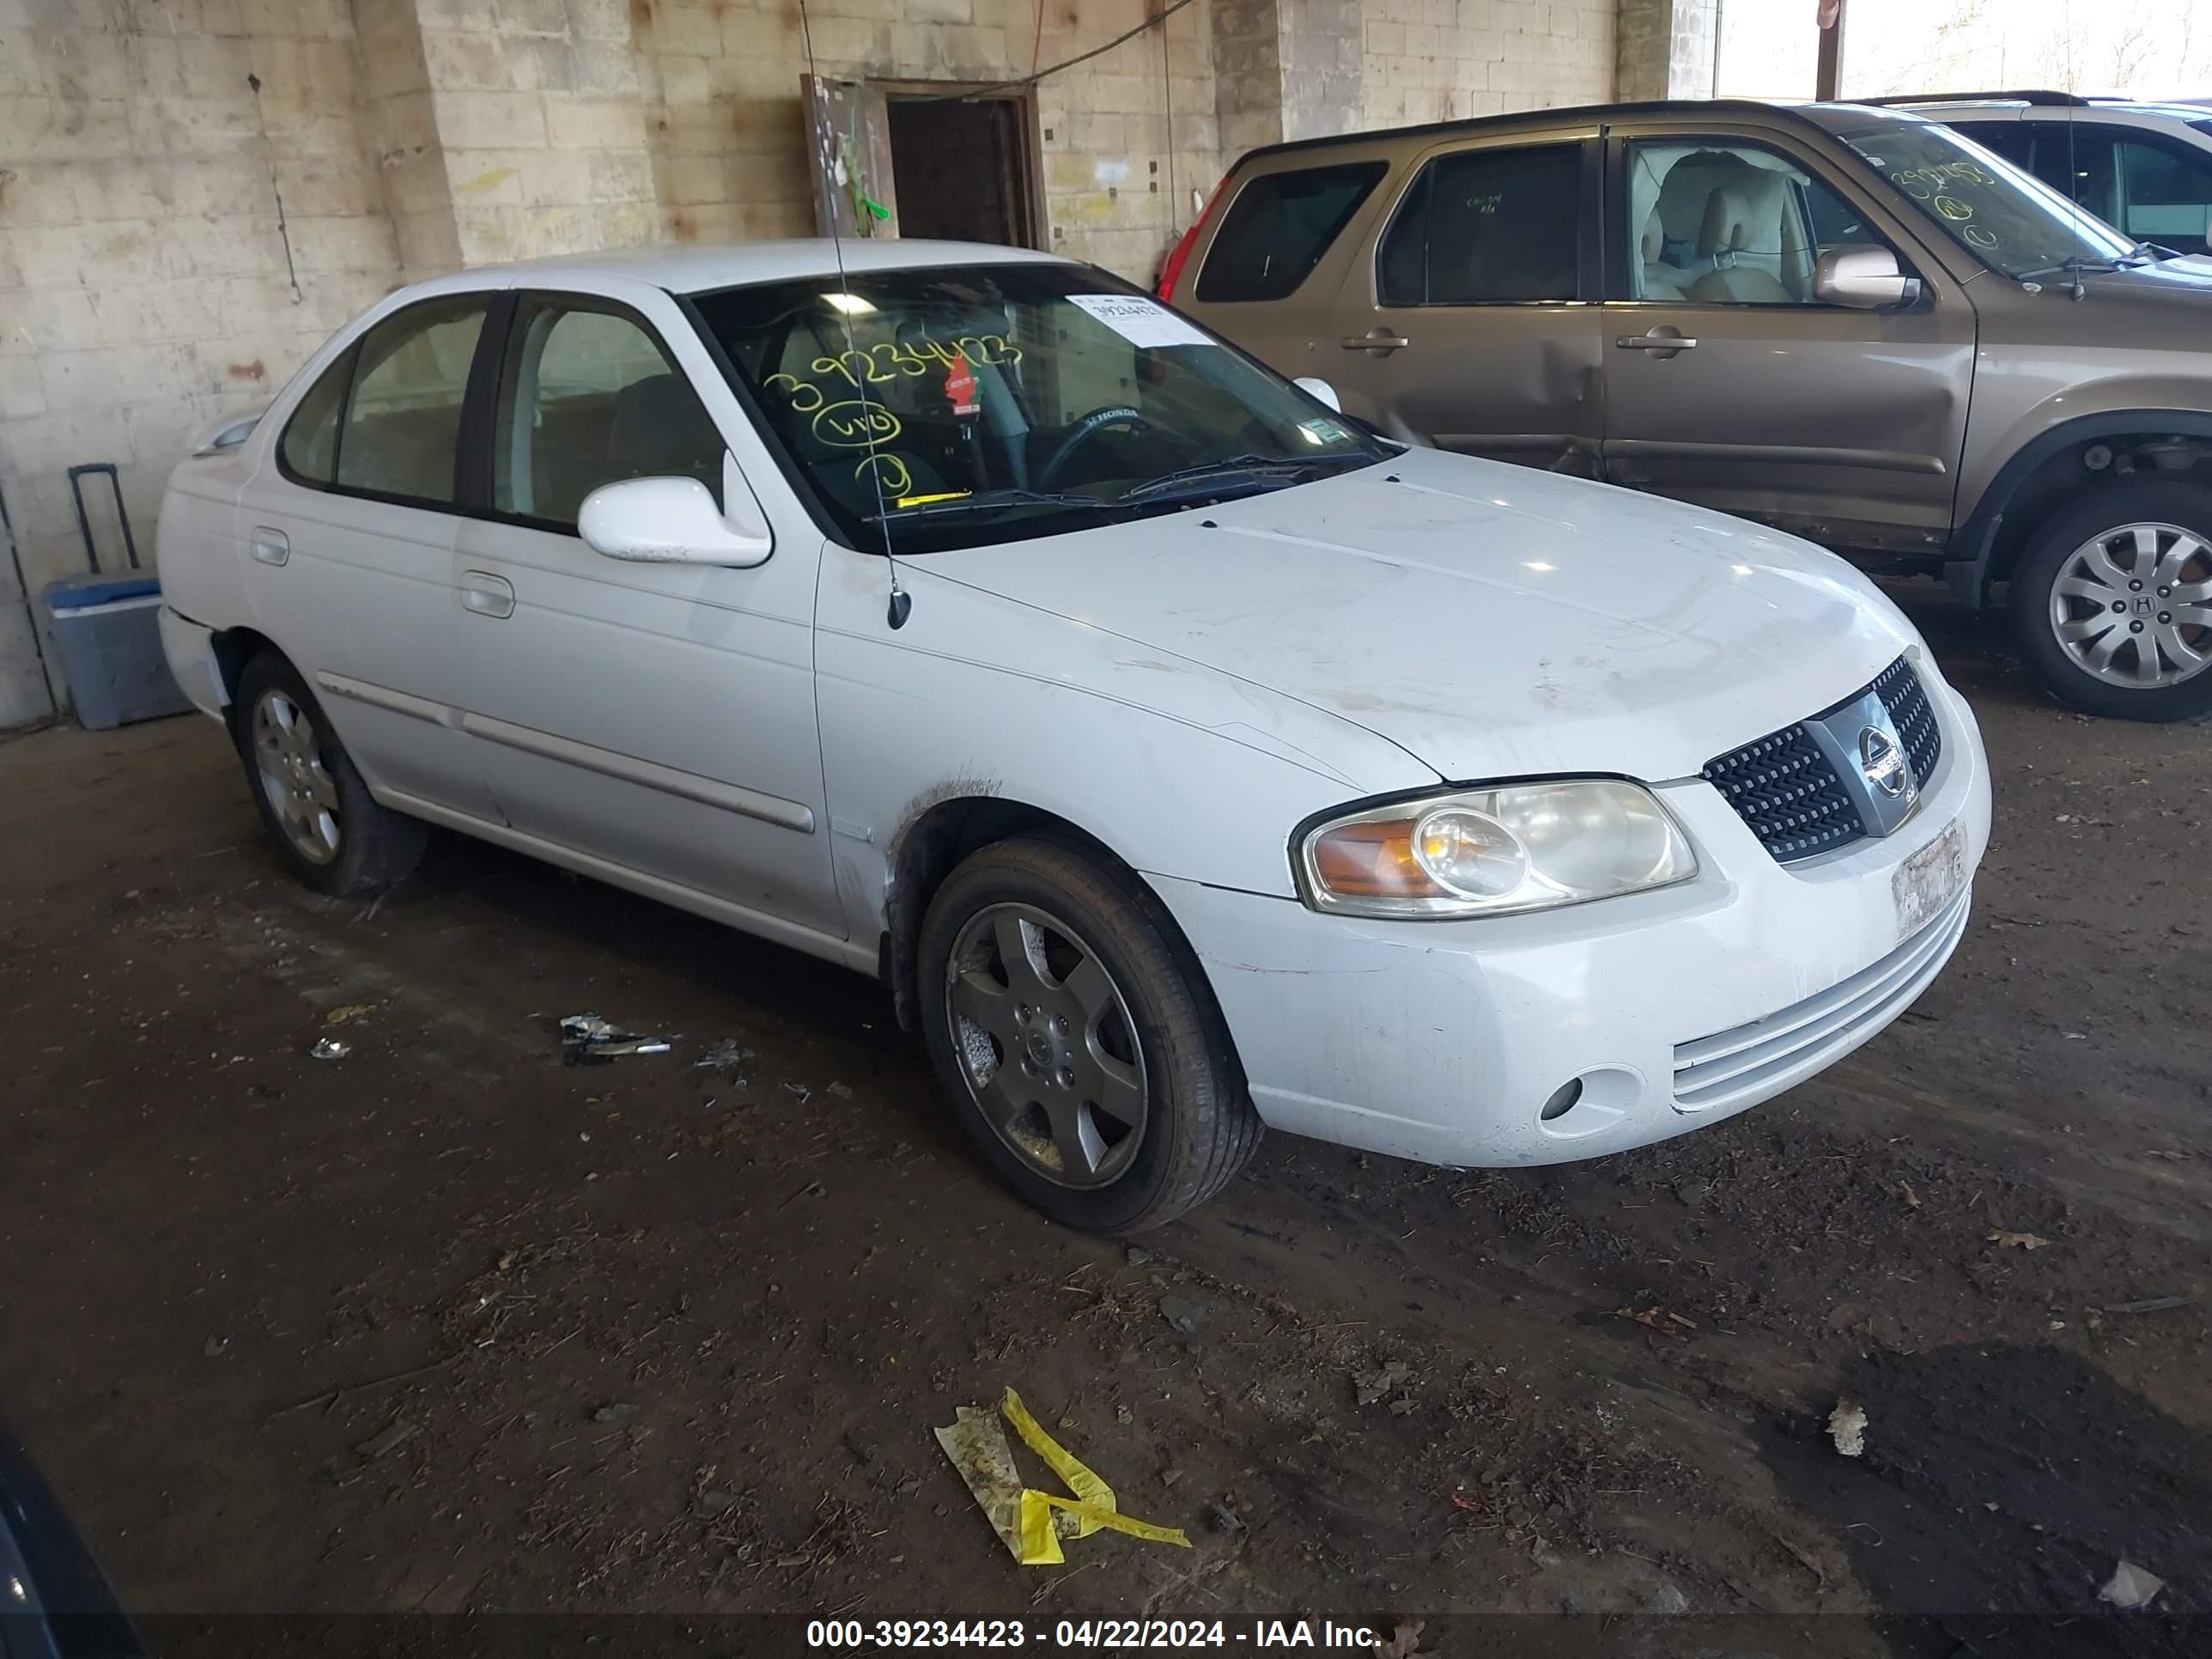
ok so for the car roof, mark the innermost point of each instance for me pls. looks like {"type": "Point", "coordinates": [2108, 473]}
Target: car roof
{"type": "Point", "coordinates": [696, 270]}
{"type": "Point", "coordinates": [1805, 114]}
{"type": "Point", "coordinates": [2170, 109]}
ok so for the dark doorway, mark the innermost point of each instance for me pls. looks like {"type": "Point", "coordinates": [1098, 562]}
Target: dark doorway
{"type": "Point", "coordinates": [963, 169]}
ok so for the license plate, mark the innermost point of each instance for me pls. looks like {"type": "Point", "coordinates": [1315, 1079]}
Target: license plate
{"type": "Point", "coordinates": [1929, 880]}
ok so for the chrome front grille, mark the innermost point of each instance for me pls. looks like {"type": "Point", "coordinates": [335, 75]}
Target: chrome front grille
{"type": "Point", "coordinates": [1788, 789]}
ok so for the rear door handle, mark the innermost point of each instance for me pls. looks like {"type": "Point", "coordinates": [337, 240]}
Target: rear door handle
{"type": "Point", "coordinates": [1380, 342]}
{"type": "Point", "coordinates": [270, 546]}
{"type": "Point", "coordinates": [1659, 339]}
{"type": "Point", "coordinates": [487, 595]}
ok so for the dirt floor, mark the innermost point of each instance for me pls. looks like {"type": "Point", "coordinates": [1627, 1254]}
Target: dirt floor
{"type": "Point", "coordinates": [448, 1325]}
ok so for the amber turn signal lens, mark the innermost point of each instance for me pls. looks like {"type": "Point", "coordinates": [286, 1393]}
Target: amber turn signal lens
{"type": "Point", "coordinates": [1371, 860]}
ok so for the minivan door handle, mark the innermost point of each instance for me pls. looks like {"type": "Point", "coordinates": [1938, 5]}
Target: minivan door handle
{"type": "Point", "coordinates": [1379, 342]}
{"type": "Point", "coordinates": [487, 595]}
{"type": "Point", "coordinates": [270, 546]}
{"type": "Point", "coordinates": [1666, 340]}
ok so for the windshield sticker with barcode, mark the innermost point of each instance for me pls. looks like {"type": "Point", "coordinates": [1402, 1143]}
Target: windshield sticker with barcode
{"type": "Point", "coordinates": [1139, 321]}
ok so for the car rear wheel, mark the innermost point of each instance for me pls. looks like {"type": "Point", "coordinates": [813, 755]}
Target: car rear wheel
{"type": "Point", "coordinates": [1083, 1054]}
{"type": "Point", "coordinates": [326, 828]}
{"type": "Point", "coordinates": [2111, 602]}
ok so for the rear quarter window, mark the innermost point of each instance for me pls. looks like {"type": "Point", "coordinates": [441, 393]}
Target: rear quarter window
{"type": "Point", "coordinates": [1277, 228]}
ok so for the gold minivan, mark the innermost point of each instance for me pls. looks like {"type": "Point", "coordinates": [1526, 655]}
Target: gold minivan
{"type": "Point", "coordinates": [1846, 322]}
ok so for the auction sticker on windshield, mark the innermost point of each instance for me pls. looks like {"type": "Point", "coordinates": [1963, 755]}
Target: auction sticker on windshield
{"type": "Point", "coordinates": [1139, 321]}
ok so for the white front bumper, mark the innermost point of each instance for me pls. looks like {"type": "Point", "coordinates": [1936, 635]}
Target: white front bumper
{"type": "Point", "coordinates": [1443, 1041]}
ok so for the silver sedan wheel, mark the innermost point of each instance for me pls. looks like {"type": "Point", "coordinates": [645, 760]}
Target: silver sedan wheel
{"type": "Point", "coordinates": [289, 756]}
{"type": "Point", "coordinates": [2132, 606]}
{"type": "Point", "coordinates": [1046, 1045]}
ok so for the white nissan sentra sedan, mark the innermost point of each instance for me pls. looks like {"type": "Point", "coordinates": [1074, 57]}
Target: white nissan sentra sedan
{"type": "Point", "coordinates": [1182, 756]}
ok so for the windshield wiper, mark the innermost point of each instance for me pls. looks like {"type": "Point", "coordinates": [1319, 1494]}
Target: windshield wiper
{"type": "Point", "coordinates": [982, 500]}
{"type": "Point", "coordinates": [2072, 265]}
{"type": "Point", "coordinates": [1237, 469]}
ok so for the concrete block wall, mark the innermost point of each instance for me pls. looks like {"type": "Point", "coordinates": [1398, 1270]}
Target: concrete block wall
{"type": "Point", "coordinates": [1124, 137]}
{"type": "Point", "coordinates": [150, 279]}
{"type": "Point", "coordinates": [194, 193]}
{"type": "Point", "coordinates": [1438, 60]}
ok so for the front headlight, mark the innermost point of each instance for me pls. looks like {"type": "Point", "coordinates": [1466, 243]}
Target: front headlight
{"type": "Point", "coordinates": [1491, 852]}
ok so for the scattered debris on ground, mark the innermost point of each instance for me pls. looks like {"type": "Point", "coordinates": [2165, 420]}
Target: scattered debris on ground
{"type": "Point", "coordinates": [1847, 1427]}
{"type": "Point", "coordinates": [588, 1039]}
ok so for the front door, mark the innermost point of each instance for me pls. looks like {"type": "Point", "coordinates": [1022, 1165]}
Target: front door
{"type": "Point", "coordinates": [1474, 328]}
{"type": "Point", "coordinates": [1730, 384]}
{"type": "Point", "coordinates": [658, 717]}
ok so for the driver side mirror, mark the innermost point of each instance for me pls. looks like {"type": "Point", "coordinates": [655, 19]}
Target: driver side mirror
{"type": "Point", "coordinates": [675, 521]}
{"type": "Point", "coordinates": [1313, 387]}
{"type": "Point", "coordinates": [1863, 278]}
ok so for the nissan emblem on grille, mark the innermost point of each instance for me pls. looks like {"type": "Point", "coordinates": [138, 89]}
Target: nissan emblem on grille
{"type": "Point", "coordinates": [1853, 770]}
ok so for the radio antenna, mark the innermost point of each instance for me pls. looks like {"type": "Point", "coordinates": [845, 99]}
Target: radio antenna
{"type": "Point", "coordinates": [900, 602]}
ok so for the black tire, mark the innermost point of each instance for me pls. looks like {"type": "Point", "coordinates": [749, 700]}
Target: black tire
{"type": "Point", "coordinates": [2139, 499]}
{"type": "Point", "coordinates": [1199, 1127]}
{"type": "Point", "coordinates": [377, 847]}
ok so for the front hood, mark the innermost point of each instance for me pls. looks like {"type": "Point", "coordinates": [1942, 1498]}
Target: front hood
{"type": "Point", "coordinates": [1490, 620]}
{"type": "Point", "coordinates": [2186, 281]}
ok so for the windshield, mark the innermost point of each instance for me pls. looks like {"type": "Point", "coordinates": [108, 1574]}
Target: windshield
{"type": "Point", "coordinates": [954, 406]}
{"type": "Point", "coordinates": [2008, 218]}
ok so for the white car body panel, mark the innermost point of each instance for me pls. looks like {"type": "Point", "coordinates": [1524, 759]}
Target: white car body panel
{"type": "Point", "coordinates": [751, 743]}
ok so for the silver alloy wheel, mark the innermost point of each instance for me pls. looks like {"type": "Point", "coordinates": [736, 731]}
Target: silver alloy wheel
{"type": "Point", "coordinates": [2132, 606]}
{"type": "Point", "coordinates": [289, 756]}
{"type": "Point", "coordinates": [1046, 1045]}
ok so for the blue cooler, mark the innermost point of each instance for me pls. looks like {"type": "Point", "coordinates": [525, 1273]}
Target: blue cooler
{"type": "Point", "coordinates": [107, 638]}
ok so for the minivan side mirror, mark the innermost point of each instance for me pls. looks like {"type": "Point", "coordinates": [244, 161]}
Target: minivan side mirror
{"type": "Point", "coordinates": [675, 521]}
{"type": "Point", "coordinates": [1313, 387]}
{"type": "Point", "coordinates": [1864, 278]}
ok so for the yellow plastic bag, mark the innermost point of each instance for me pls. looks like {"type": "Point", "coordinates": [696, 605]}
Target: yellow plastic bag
{"type": "Point", "coordinates": [1031, 1524]}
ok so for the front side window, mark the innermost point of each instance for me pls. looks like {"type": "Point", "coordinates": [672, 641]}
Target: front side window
{"type": "Point", "coordinates": [401, 435]}
{"type": "Point", "coordinates": [1487, 226]}
{"type": "Point", "coordinates": [310, 447]}
{"type": "Point", "coordinates": [1716, 221]}
{"type": "Point", "coordinates": [944, 408]}
{"type": "Point", "coordinates": [1277, 228]}
{"type": "Point", "coordinates": [2007, 218]}
{"type": "Point", "coordinates": [588, 398]}
{"type": "Point", "coordinates": [2167, 194]}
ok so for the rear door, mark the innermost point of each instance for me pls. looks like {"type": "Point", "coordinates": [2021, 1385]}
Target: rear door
{"type": "Point", "coordinates": [1472, 324]}
{"type": "Point", "coordinates": [350, 527]}
{"type": "Point", "coordinates": [1728, 384]}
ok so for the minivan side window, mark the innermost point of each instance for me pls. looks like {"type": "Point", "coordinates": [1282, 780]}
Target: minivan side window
{"type": "Point", "coordinates": [1277, 228]}
{"type": "Point", "coordinates": [1487, 226]}
{"type": "Point", "coordinates": [588, 396]}
{"type": "Point", "coordinates": [401, 435]}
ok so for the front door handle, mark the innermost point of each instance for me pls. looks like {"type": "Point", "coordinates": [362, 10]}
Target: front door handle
{"type": "Point", "coordinates": [270, 546]}
{"type": "Point", "coordinates": [487, 595]}
{"type": "Point", "coordinates": [1380, 342]}
{"type": "Point", "coordinates": [1665, 340]}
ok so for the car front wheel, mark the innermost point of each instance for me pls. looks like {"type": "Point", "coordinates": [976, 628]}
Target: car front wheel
{"type": "Point", "coordinates": [328, 830]}
{"type": "Point", "coordinates": [1082, 1052]}
{"type": "Point", "coordinates": [2111, 602]}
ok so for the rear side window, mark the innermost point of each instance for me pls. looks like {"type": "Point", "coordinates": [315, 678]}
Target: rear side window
{"type": "Point", "coordinates": [1487, 226]}
{"type": "Point", "coordinates": [402, 431]}
{"type": "Point", "coordinates": [2014, 140]}
{"type": "Point", "coordinates": [1279, 227]}
{"type": "Point", "coordinates": [309, 451]}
